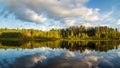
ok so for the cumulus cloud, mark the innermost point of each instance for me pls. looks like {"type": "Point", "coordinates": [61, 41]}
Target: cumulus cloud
{"type": "Point", "coordinates": [118, 22]}
{"type": "Point", "coordinates": [93, 15]}
{"type": "Point", "coordinates": [69, 22]}
{"type": "Point", "coordinates": [87, 24]}
{"type": "Point", "coordinates": [39, 10]}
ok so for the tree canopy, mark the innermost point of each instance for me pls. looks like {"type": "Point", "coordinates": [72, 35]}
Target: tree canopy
{"type": "Point", "coordinates": [74, 32]}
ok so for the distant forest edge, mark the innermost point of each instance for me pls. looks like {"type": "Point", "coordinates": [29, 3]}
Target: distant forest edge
{"type": "Point", "coordinates": [71, 33]}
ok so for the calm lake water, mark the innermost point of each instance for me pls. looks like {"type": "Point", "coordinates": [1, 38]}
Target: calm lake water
{"type": "Point", "coordinates": [60, 54]}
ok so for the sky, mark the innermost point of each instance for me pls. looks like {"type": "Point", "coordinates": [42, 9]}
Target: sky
{"type": "Point", "coordinates": [48, 14]}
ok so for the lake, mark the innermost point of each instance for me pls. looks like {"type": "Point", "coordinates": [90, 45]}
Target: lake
{"type": "Point", "coordinates": [60, 54]}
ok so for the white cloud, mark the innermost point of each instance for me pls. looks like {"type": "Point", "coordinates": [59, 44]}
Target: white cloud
{"type": "Point", "coordinates": [30, 15]}
{"type": "Point", "coordinates": [87, 24]}
{"type": "Point", "coordinates": [93, 15]}
{"type": "Point", "coordinates": [34, 10]}
{"type": "Point", "coordinates": [108, 14]}
{"type": "Point", "coordinates": [118, 22]}
{"type": "Point", "coordinates": [69, 22]}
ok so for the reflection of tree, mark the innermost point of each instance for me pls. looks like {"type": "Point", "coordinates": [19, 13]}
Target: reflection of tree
{"type": "Point", "coordinates": [29, 44]}
{"type": "Point", "coordinates": [12, 43]}
{"type": "Point", "coordinates": [71, 45]}
{"type": "Point", "coordinates": [92, 45]}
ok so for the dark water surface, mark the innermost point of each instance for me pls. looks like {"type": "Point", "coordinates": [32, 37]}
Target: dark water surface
{"type": "Point", "coordinates": [60, 54]}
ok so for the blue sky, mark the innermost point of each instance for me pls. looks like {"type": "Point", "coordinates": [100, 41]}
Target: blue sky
{"type": "Point", "coordinates": [42, 15]}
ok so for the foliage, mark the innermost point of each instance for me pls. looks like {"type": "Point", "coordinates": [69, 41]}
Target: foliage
{"type": "Point", "coordinates": [78, 33]}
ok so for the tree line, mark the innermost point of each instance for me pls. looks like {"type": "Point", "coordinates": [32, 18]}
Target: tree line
{"type": "Point", "coordinates": [74, 32]}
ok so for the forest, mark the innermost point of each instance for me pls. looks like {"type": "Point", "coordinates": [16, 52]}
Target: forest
{"type": "Point", "coordinates": [71, 33]}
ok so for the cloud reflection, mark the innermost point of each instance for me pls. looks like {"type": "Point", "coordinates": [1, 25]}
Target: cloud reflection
{"type": "Point", "coordinates": [62, 58]}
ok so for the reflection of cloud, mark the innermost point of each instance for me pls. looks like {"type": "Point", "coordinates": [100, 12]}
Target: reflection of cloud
{"type": "Point", "coordinates": [118, 54]}
{"type": "Point", "coordinates": [28, 61]}
{"type": "Point", "coordinates": [69, 54]}
{"type": "Point", "coordinates": [87, 51]}
{"type": "Point", "coordinates": [92, 60]}
{"type": "Point", "coordinates": [38, 58]}
{"type": "Point", "coordinates": [60, 58]}
{"type": "Point", "coordinates": [56, 62]}
{"type": "Point", "coordinates": [61, 62]}
{"type": "Point", "coordinates": [106, 63]}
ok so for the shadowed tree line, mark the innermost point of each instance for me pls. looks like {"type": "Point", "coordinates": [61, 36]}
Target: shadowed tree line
{"type": "Point", "coordinates": [71, 45]}
{"type": "Point", "coordinates": [74, 32]}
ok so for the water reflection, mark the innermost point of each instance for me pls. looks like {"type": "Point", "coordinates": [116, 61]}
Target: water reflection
{"type": "Point", "coordinates": [71, 45]}
{"type": "Point", "coordinates": [91, 45]}
{"type": "Point", "coordinates": [59, 54]}
{"type": "Point", "coordinates": [58, 58]}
